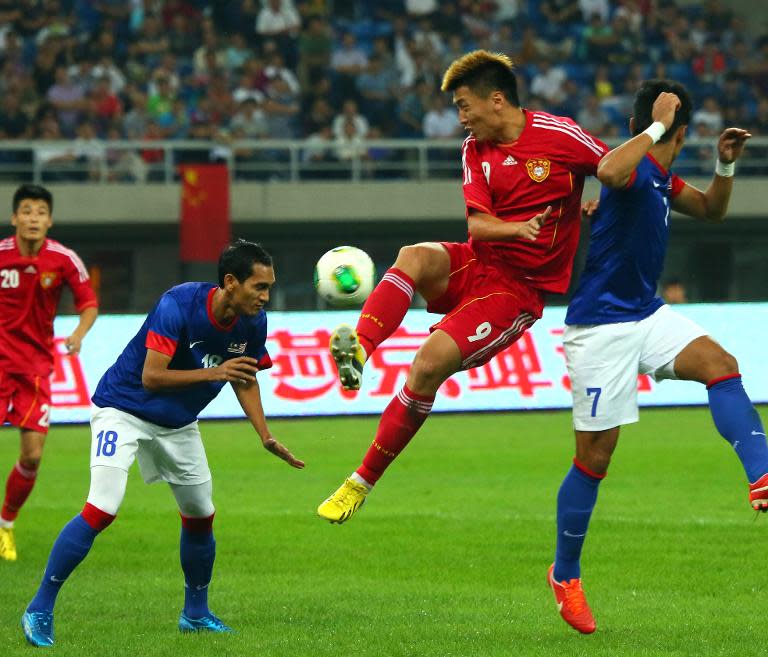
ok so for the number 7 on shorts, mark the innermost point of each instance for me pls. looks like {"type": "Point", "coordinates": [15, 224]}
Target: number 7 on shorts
{"type": "Point", "coordinates": [596, 392]}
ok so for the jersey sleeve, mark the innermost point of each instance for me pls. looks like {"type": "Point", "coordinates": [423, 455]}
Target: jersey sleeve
{"type": "Point", "coordinates": [76, 276]}
{"type": "Point", "coordinates": [580, 151]}
{"type": "Point", "coordinates": [165, 326]}
{"type": "Point", "coordinates": [257, 347]}
{"type": "Point", "coordinates": [677, 185]}
{"type": "Point", "coordinates": [477, 192]}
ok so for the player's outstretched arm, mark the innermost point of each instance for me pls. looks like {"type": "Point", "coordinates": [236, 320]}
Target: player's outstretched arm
{"type": "Point", "coordinates": [617, 165]}
{"type": "Point", "coordinates": [87, 318]}
{"type": "Point", "coordinates": [712, 205]}
{"type": "Point", "coordinates": [249, 396]}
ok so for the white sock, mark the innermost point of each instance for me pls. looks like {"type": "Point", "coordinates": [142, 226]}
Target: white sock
{"type": "Point", "coordinates": [358, 479]}
{"type": "Point", "coordinates": [6, 523]}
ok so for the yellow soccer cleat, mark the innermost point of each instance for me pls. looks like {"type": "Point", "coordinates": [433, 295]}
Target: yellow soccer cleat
{"type": "Point", "coordinates": [340, 506]}
{"type": "Point", "coordinates": [349, 356]}
{"type": "Point", "coordinates": [7, 544]}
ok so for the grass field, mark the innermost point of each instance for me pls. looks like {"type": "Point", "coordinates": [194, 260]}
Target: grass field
{"type": "Point", "coordinates": [448, 558]}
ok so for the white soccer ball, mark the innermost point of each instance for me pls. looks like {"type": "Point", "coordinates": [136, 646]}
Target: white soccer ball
{"type": "Point", "coordinates": [345, 276]}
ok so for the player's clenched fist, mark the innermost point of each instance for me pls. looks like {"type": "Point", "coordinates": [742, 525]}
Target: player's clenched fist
{"type": "Point", "coordinates": [664, 108]}
{"type": "Point", "coordinates": [237, 370]}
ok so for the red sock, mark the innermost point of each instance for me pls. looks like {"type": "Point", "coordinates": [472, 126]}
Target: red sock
{"type": "Point", "coordinates": [20, 483]}
{"type": "Point", "coordinates": [399, 423]}
{"type": "Point", "coordinates": [384, 309]}
{"type": "Point", "coordinates": [98, 520]}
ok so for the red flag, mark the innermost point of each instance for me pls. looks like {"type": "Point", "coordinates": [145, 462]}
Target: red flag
{"type": "Point", "coordinates": [204, 221]}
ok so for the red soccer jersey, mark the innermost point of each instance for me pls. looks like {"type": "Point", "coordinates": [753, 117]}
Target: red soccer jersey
{"type": "Point", "coordinates": [545, 166]}
{"type": "Point", "coordinates": [30, 289]}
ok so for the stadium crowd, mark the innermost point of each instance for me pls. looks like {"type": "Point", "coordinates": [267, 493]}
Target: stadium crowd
{"type": "Point", "coordinates": [339, 72]}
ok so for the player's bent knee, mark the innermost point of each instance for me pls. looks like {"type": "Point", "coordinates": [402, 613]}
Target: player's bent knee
{"type": "Point", "coordinates": [195, 501]}
{"type": "Point", "coordinates": [107, 488]}
{"type": "Point", "coordinates": [30, 462]}
{"type": "Point", "coordinates": [722, 364]}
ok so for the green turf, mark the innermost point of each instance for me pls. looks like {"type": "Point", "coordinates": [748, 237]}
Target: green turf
{"type": "Point", "coordinates": [448, 558]}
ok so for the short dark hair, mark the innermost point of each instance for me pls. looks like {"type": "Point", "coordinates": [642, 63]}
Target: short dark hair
{"type": "Point", "coordinates": [34, 192]}
{"type": "Point", "coordinates": [483, 72]}
{"type": "Point", "coordinates": [238, 259]}
{"type": "Point", "coordinates": [648, 93]}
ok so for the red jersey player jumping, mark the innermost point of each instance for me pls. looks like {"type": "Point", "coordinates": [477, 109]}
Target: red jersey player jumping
{"type": "Point", "coordinates": [33, 271]}
{"type": "Point", "coordinates": [523, 177]}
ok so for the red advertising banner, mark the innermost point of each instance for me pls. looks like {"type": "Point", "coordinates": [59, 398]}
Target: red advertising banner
{"type": "Point", "coordinates": [204, 223]}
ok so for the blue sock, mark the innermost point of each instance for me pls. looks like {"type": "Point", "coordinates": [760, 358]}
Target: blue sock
{"type": "Point", "coordinates": [738, 422]}
{"type": "Point", "coordinates": [198, 551]}
{"type": "Point", "coordinates": [575, 501]}
{"type": "Point", "coordinates": [72, 545]}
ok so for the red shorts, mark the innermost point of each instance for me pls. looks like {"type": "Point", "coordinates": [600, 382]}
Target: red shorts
{"type": "Point", "coordinates": [486, 308]}
{"type": "Point", "coordinates": [25, 401]}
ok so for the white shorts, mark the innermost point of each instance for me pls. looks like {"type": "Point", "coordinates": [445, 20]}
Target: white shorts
{"type": "Point", "coordinates": [173, 455]}
{"type": "Point", "coordinates": [604, 360]}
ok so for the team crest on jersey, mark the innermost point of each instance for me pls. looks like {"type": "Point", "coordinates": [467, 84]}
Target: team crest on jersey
{"type": "Point", "coordinates": [47, 278]}
{"type": "Point", "coordinates": [538, 169]}
{"type": "Point", "coordinates": [237, 347]}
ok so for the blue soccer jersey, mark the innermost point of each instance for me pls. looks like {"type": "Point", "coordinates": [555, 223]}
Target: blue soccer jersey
{"type": "Point", "coordinates": [182, 326]}
{"type": "Point", "coordinates": [627, 245]}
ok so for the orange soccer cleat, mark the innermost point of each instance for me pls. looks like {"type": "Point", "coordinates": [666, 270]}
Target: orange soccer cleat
{"type": "Point", "coordinates": [758, 494]}
{"type": "Point", "coordinates": [572, 603]}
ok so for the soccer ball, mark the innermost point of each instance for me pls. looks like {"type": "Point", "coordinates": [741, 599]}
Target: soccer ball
{"type": "Point", "coordinates": [345, 276]}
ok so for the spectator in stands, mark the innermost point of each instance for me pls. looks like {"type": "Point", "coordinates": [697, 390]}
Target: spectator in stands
{"type": "Point", "coordinates": [136, 117]}
{"type": "Point", "coordinates": [281, 108]}
{"type": "Point", "coordinates": [441, 121]}
{"type": "Point", "coordinates": [350, 115]}
{"type": "Point", "coordinates": [591, 116]}
{"type": "Point", "coordinates": [209, 56]}
{"type": "Point", "coordinates": [160, 105]}
{"type": "Point", "coordinates": [89, 152]}
{"type": "Point", "coordinates": [279, 20]}
{"type": "Point", "coordinates": [253, 81]}
{"type": "Point", "coordinates": [105, 106]}
{"type": "Point", "coordinates": [709, 65]}
{"type": "Point", "coordinates": [320, 154]}
{"type": "Point", "coordinates": [561, 16]}
{"type": "Point", "coordinates": [709, 114]}
{"type": "Point", "coordinates": [349, 143]}
{"type": "Point", "coordinates": [250, 121]}
{"type": "Point", "coordinates": [182, 40]}
{"type": "Point", "coordinates": [427, 39]}
{"type": "Point", "coordinates": [314, 50]}
{"type": "Point", "coordinates": [347, 62]}
{"type": "Point", "coordinates": [377, 89]}
{"type": "Point", "coordinates": [148, 45]}
{"type": "Point", "coordinates": [317, 114]}
{"type": "Point", "coordinates": [68, 99]}
{"type": "Point", "coordinates": [548, 82]}
{"type": "Point", "coordinates": [236, 53]}
{"type": "Point", "coordinates": [14, 124]}
{"type": "Point", "coordinates": [597, 38]}
{"type": "Point", "coordinates": [413, 108]}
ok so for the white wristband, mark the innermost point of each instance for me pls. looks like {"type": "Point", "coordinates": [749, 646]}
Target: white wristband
{"type": "Point", "coordinates": [723, 169]}
{"type": "Point", "coordinates": [655, 131]}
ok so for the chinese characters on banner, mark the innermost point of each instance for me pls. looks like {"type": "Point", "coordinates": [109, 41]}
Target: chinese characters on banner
{"type": "Point", "coordinates": [529, 374]}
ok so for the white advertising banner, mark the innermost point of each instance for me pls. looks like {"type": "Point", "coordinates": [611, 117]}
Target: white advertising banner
{"type": "Point", "coordinates": [530, 374]}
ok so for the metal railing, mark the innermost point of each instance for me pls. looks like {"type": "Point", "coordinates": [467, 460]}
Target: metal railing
{"type": "Point", "coordinates": [100, 161]}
